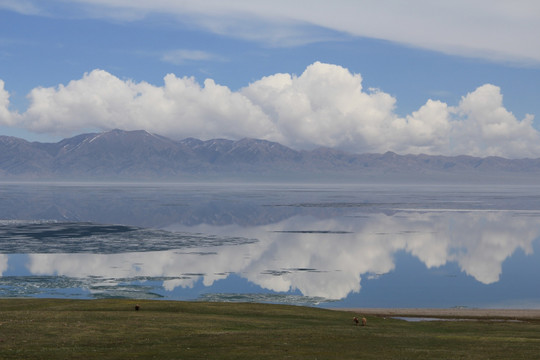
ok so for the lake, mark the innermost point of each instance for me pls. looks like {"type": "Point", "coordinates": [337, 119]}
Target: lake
{"type": "Point", "coordinates": [319, 245]}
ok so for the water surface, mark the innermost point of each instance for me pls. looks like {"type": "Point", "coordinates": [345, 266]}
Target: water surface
{"type": "Point", "coordinates": [321, 245]}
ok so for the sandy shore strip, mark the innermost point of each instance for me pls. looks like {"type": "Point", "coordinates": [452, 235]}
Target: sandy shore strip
{"type": "Point", "coordinates": [464, 313]}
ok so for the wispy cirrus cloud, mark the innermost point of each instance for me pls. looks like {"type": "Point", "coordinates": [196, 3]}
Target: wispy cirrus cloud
{"type": "Point", "coordinates": [497, 30]}
{"type": "Point", "coordinates": [181, 56]}
{"type": "Point", "coordinates": [21, 6]}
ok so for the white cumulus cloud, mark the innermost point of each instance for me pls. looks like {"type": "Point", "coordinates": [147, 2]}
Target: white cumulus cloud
{"type": "Point", "coordinates": [326, 105]}
{"type": "Point", "coordinates": [488, 128]}
{"type": "Point", "coordinates": [6, 117]}
{"type": "Point", "coordinates": [179, 108]}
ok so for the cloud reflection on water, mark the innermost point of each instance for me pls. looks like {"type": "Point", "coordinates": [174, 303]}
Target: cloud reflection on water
{"type": "Point", "coordinates": [326, 258]}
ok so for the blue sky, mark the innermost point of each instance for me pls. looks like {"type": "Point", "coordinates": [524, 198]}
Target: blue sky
{"type": "Point", "coordinates": [447, 77]}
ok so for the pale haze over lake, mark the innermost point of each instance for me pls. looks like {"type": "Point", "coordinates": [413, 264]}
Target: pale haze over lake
{"type": "Point", "coordinates": [323, 245]}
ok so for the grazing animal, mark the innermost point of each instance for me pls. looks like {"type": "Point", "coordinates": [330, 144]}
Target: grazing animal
{"type": "Point", "coordinates": [364, 321]}
{"type": "Point", "coordinates": [137, 307]}
{"type": "Point", "coordinates": [355, 321]}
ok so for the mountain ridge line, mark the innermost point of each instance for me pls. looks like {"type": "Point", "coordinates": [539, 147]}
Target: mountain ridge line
{"type": "Point", "coordinates": [119, 154]}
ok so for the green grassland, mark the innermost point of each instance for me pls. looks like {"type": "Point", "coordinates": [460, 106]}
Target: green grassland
{"type": "Point", "coordinates": [112, 329]}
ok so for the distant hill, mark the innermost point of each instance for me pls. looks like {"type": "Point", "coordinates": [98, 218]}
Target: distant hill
{"type": "Point", "coordinates": [139, 155]}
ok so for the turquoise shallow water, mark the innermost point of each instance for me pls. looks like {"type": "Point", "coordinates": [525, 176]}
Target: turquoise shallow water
{"type": "Point", "coordinates": [318, 245]}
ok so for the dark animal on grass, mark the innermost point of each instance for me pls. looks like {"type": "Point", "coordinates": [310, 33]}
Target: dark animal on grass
{"type": "Point", "coordinates": [137, 307]}
{"type": "Point", "coordinates": [355, 321]}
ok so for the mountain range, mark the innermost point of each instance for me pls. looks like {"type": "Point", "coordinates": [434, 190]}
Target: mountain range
{"type": "Point", "coordinates": [140, 155]}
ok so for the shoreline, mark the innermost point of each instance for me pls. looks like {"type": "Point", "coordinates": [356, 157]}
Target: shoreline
{"type": "Point", "coordinates": [466, 313]}
{"type": "Point", "coordinates": [453, 313]}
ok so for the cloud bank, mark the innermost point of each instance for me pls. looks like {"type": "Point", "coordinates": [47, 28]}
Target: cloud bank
{"type": "Point", "coordinates": [498, 30]}
{"type": "Point", "coordinates": [326, 105]}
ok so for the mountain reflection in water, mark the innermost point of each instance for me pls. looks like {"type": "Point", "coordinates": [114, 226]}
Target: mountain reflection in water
{"type": "Point", "coordinates": [329, 245]}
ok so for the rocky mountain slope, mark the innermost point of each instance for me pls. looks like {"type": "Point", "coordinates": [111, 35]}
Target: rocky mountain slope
{"type": "Point", "coordinates": [139, 155]}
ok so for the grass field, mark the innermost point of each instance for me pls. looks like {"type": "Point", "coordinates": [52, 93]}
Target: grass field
{"type": "Point", "coordinates": [112, 329]}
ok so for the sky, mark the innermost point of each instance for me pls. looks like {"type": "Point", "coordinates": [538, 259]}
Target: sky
{"type": "Point", "coordinates": [458, 77]}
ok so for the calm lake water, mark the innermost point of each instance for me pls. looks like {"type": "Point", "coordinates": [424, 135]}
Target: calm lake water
{"type": "Point", "coordinates": [318, 245]}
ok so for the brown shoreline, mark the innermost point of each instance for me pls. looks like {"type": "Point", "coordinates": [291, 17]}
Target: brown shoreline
{"type": "Point", "coordinates": [465, 313]}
